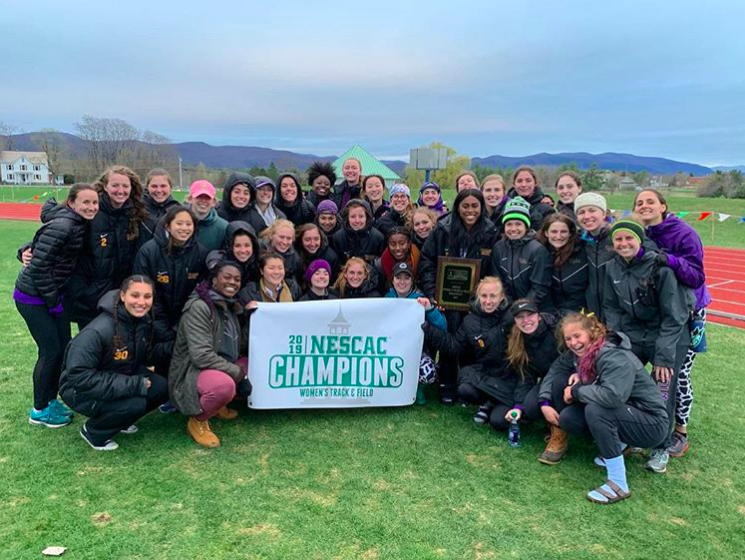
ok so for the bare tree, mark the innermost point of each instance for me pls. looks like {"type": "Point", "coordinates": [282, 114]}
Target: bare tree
{"type": "Point", "coordinates": [9, 131]}
{"type": "Point", "coordinates": [49, 142]}
{"type": "Point", "coordinates": [108, 139]}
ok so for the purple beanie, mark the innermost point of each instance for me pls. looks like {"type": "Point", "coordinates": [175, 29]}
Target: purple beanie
{"type": "Point", "coordinates": [327, 207]}
{"type": "Point", "coordinates": [315, 266]}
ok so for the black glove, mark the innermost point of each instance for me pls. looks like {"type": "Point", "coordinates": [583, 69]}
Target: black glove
{"type": "Point", "coordinates": [661, 259]}
{"type": "Point", "coordinates": [244, 388]}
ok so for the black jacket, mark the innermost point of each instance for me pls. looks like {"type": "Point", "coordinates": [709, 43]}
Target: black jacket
{"type": "Point", "coordinates": [569, 283]}
{"type": "Point", "coordinates": [368, 289]}
{"type": "Point", "coordinates": [309, 295]}
{"type": "Point", "coordinates": [106, 259]}
{"type": "Point", "coordinates": [155, 211]}
{"type": "Point", "coordinates": [525, 269]}
{"type": "Point", "coordinates": [478, 246]}
{"type": "Point", "coordinates": [538, 210]}
{"type": "Point", "coordinates": [302, 211]}
{"type": "Point", "coordinates": [343, 193]}
{"type": "Point", "coordinates": [542, 350]}
{"type": "Point", "coordinates": [621, 379]}
{"type": "Point", "coordinates": [314, 199]}
{"type": "Point", "coordinates": [367, 243]}
{"type": "Point", "coordinates": [250, 268]}
{"type": "Point", "coordinates": [390, 220]}
{"type": "Point", "coordinates": [567, 210]}
{"type": "Point", "coordinates": [95, 370]}
{"type": "Point", "coordinates": [225, 209]}
{"type": "Point", "coordinates": [175, 274]}
{"type": "Point", "coordinates": [599, 253]}
{"type": "Point", "coordinates": [252, 291]}
{"type": "Point", "coordinates": [647, 304]}
{"type": "Point", "coordinates": [55, 248]}
{"type": "Point", "coordinates": [324, 252]}
{"type": "Point", "coordinates": [293, 266]}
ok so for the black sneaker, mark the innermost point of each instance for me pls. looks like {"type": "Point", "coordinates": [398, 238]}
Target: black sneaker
{"type": "Point", "coordinates": [447, 396]}
{"type": "Point", "coordinates": [110, 445]}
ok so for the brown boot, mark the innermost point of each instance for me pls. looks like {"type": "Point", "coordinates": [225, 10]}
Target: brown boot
{"type": "Point", "coordinates": [556, 448]}
{"type": "Point", "coordinates": [226, 413]}
{"type": "Point", "coordinates": [201, 432]}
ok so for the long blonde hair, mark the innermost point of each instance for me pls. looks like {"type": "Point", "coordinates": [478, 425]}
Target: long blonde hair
{"type": "Point", "coordinates": [341, 281]}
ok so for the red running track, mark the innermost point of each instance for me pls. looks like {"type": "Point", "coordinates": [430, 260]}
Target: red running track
{"type": "Point", "coordinates": [725, 271]}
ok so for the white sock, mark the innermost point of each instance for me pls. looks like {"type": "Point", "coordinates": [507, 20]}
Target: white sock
{"type": "Point", "coordinates": [616, 468]}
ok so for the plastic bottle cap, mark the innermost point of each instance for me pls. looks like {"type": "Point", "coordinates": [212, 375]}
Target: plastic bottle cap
{"type": "Point", "coordinates": [514, 414]}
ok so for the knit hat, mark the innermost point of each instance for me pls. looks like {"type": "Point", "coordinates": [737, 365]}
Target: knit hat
{"type": "Point", "coordinates": [590, 199]}
{"type": "Point", "coordinates": [314, 267]}
{"type": "Point", "coordinates": [517, 209]}
{"type": "Point", "coordinates": [327, 207]}
{"type": "Point", "coordinates": [262, 181]}
{"type": "Point", "coordinates": [628, 226]}
{"type": "Point", "coordinates": [201, 187]}
{"type": "Point", "coordinates": [430, 185]}
{"type": "Point", "coordinates": [402, 268]}
{"type": "Point", "coordinates": [400, 188]}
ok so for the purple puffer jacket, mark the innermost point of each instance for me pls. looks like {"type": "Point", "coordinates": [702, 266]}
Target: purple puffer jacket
{"type": "Point", "coordinates": [685, 255]}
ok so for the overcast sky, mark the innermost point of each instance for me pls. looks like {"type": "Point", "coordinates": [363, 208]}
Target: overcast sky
{"type": "Point", "coordinates": [509, 77]}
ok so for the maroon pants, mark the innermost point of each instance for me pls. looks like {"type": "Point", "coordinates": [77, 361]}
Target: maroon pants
{"type": "Point", "coordinates": [216, 389]}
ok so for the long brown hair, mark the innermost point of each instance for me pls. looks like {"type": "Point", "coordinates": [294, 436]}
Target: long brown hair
{"type": "Point", "coordinates": [135, 278]}
{"type": "Point", "coordinates": [597, 332]}
{"type": "Point", "coordinates": [138, 214]}
{"type": "Point", "coordinates": [564, 253]}
{"type": "Point", "coordinates": [660, 197]}
{"type": "Point", "coordinates": [517, 356]}
{"type": "Point", "coordinates": [75, 190]}
{"type": "Point", "coordinates": [529, 170]}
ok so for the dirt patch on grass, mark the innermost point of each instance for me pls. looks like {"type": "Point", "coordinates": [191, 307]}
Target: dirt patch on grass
{"type": "Point", "coordinates": [265, 529]}
{"type": "Point", "coordinates": [101, 519]}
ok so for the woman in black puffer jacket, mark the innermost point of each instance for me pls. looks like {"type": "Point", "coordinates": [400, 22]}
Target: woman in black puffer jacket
{"type": "Point", "coordinates": [358, 237]}
{"type": "Point", "coordinates": [175, 261]}
{"type": "Point", "coordinates": [111, 244]}
{"type": "Point", "coordinates": [290, 200]}
{"type": "Point", "coordinates": [39, 292]}
{"type": "Point", "coordinates": [105, 375]}
{"type": "Point", "coordinates": [241, 247]}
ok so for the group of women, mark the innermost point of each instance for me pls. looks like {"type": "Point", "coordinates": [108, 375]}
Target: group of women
{"type": "Point", "coordinates": [568, 309]}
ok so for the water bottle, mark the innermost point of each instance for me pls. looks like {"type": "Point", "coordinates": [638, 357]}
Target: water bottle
{"type": "Point", "coordinates": [698, 332]}
{"type": "Point", "coordinates": [513, 436]}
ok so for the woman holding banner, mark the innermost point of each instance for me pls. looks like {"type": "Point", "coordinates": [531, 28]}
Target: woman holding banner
{"type": "Point", "coordinates": [209, 366]}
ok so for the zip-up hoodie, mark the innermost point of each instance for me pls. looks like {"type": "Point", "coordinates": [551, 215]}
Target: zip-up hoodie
{"type": "Point", "coordinates": [301, 211]}
{"type": "Point", "coordinates": [650, 314]}
{"type": "Point", "coordinates": [570, 282]}
{"type": "Point", "coordinates": [524, 267]}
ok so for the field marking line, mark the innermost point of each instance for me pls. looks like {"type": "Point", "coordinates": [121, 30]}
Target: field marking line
{"type": "Point", "coordinates": [737, 303]}
{"type": "Point", "coordinates": [720, 284]}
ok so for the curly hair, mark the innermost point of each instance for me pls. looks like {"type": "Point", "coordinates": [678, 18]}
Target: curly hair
{"type": "Point", "coordinates": [321, 169]}
{"type": "Point", "coordinates": [138, 214]}
{"type": "Point", "coordinates": [597, 332]}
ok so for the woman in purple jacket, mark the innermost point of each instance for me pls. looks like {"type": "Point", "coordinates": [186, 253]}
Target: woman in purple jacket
{"type": "Point", "coordinates": [682, 251]}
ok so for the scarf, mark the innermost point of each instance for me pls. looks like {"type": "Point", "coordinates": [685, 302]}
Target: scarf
{"type": "Point", "coordinates": [269, 295]}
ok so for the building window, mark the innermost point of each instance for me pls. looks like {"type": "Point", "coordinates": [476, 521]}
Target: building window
{"type": "Point", "coordinates": [10, 177]}
{"type": "Point", "coordinates": [38, 177]}
{"type": "Point", "coordinates": [23, 168]}
{"type": "Point", "coordinates": [37, 168]}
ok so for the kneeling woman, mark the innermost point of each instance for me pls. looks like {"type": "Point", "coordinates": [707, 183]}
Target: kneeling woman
{"type": "Point", "coordinates": [611, 398]}
{"type": "Point", "coordinates": [105, 375]}
{"type": "Point", "coordinates": [209, 365]}
{"type": "Point", "coordinates": [481, 337]}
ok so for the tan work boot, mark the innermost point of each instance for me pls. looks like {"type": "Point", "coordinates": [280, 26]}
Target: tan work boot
{"type": "Point", "coordinates": [201, 432]}
{"type": "Point", "coordinates": [556, 448]}
{"type": "Point", "coordinates": [226, 413]}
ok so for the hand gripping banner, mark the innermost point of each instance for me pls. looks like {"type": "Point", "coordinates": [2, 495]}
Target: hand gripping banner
{"type": "Point", "coordinates": [335, 354]}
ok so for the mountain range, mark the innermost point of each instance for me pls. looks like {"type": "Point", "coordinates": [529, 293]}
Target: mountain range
{"type": "Point", "coordinates": [241, 157]}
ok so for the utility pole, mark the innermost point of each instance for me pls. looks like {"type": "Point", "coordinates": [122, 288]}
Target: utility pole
{"type": "Point", "coordinates": [180, 175]}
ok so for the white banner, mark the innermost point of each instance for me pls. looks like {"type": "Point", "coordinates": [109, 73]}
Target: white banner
{"type": "Point", "coordinates": [335, 354]}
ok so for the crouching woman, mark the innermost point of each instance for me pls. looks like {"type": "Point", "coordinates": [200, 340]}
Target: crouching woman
{"type": "Point", "coordinates": [105, 375]}
{"type": "Point", "coordinates": [611, 398]}
{"type": "Point", "coordinates": [208, 367]}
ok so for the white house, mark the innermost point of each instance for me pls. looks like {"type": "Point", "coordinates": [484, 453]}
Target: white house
{"type": "Point", "coordinates": [25, 168]}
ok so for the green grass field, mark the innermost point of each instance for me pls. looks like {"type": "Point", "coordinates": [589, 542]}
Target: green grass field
{"type": "Point", "coordinates": [412, 483]}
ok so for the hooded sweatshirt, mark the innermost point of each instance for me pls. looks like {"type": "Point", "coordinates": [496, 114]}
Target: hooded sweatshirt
{"type": "Point", "coordinates": [367, 243]}
{"type": "Point", "coordinates": [250, 268]}
{"type": "Point", "coordinates": [226, 210]}
{"type": "Point", "coordinates": [299, 212]}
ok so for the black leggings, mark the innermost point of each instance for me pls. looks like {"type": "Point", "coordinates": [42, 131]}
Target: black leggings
{"type": "Point", "coordinates": [532, 405]}
{"type": "Point", "coordinates": [51, 335]}
{"type": "Point", "coordinates": [610, 427]}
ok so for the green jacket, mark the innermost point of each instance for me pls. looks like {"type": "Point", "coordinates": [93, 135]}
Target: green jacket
{"type": "Point", "coordinates": [199, 335]}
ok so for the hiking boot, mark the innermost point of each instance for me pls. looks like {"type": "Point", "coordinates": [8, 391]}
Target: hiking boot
{"type": "Point", "coordinates": [658, 461]}
{"type": "Point", "coordinates": [482, 416]}
{"type": "Point", "coordinates": [679, 445]}
{"type": "Point", "coordinates": [226, 413]}
{"type": "Point", "coordinates": [49, 417]}
{"type": "Point", "coordinates": [61, 408]}
{"type": "Point", "coordinates": [201, 433]}
{"type": "Point", "coordinates": [557, 447]}
{"type": "Point", "coordinates": [133, 429]}
{"type": "Point", "coordinates": [109, 445]}
{"type": "Point", "coordinates": [420, 397]}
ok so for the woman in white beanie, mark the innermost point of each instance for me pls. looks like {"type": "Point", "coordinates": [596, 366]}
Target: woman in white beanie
{"type": "Point", "coordinates": [590, 209]}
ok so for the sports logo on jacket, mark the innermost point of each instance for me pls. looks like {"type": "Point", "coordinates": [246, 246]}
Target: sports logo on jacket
{"type": "Point", "coordinates": [163, 278]}
{"type": "Point", "coordinates": [121, 354]}
{"type": "Point", "coordinates": [103, 240]}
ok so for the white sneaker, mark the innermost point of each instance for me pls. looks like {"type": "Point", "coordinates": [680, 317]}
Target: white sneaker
{"type": "Point", "coordinates": [133, 429]}
{"type": "Point", "coordinates": [110, 445]}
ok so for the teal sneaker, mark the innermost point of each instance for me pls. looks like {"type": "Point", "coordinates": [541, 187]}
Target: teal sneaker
{"type": "Point", "coordinates": [61, 408]}
{"type": "Point", "coordinates": [48, 417]}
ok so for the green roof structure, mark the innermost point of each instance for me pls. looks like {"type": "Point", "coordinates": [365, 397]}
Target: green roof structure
{"type": "Point", "coordinates": [370, 165]}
